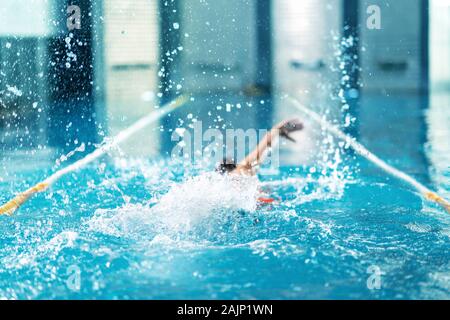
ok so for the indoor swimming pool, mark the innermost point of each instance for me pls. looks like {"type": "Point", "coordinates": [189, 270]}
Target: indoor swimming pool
{"type": "Point", "coordinates": [135, 228]}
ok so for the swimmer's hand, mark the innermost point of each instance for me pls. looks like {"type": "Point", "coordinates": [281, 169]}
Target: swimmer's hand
{"type": "Point", "coordinates": [288, 126]}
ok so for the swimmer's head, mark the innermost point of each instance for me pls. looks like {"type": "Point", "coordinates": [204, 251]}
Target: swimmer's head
{"type": "Point", "coordinates": [226, 166]}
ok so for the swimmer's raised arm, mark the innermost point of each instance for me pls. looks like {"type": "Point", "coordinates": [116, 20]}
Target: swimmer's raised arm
{"type": "Point", "coordinates": [257, 156]}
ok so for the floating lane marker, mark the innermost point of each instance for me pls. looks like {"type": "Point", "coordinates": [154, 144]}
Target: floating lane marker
{"type": "Point", "coordinates": [361, 150]}
{"type": "Point", "coordinates": [10, 207]}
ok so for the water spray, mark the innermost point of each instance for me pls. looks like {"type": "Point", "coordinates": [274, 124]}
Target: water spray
{"type": "Point", "coordinates": [10, 207]}
{"type": "Point", "coordinates": [361, 150]}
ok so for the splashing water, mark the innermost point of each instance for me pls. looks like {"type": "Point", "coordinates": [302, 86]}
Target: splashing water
{"type": "Point", "coordinates": [334, 166]}
{"type": "Point", "coordinates": [361, 150]}
{"type": "Point", "coordinates": [160, 230]}
{"type": "Point", "coordinates": [186, 205]}
{"type": "Point", "coordinates": [186, 227]}
{"type": "Point", "coordinates": [200, 197]}
{"type": "Point", "coordinates": [106, 146]}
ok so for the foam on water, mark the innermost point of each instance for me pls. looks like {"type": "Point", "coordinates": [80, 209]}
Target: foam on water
{"type": "Point", "coordinates": [198, 198]}
{"type": "Point", "coordinates": [185, 206]}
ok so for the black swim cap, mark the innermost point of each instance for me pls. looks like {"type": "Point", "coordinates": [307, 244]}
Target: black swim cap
{"type": "Point", "coordinates": [226, 166]}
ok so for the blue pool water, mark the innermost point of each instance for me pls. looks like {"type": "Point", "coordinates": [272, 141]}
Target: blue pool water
{"type": "Point", "coordinates": [145, 229]}
{"type": "Point", "coordinates": [319, 241]}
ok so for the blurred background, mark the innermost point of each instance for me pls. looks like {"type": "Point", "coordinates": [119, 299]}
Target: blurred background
{"type": "Point", "coordinates": [386, 82]}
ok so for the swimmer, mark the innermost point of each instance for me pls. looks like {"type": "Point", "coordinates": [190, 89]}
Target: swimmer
{"type": "Point", "coordinates": [243, 193]}
{"type": "Point", "coordinates": [253, 160]}
{"type": "Point", "coordinates": [248, 167]}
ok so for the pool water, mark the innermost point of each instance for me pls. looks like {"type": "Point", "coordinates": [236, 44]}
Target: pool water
{"type": "Point", "coordinates": [140, 229]}
{"type": "Point", "coordinates": [339, 228]}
